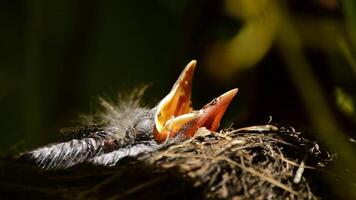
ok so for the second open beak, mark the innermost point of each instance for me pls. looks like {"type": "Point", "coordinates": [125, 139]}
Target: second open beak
{"type": "Point", "coordinates": [175, 115]}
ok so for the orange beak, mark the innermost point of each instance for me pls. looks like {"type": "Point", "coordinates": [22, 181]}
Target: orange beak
{"type": "Point", "coordinates": [175, 115]}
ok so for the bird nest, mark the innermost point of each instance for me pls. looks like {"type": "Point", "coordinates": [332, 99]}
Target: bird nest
{"type": "Point", "coordinates": [259, 162]}
{"type": "Point", "coordinates": [248, 163]}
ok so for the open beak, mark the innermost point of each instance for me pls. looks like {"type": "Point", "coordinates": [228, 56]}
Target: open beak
{"type": "Point", "coordinates": [175, 115]}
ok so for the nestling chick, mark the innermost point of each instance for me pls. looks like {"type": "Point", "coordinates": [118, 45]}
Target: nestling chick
{"type": "Point", "coordinates": [134, 129]}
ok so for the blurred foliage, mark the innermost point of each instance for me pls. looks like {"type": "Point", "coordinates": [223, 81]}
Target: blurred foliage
{"type": "Point", "coordinates": [251, 43]}
{"type": "Point", "coordinates": [344, 102]}
{"type": "Point", "coordinates": [293, 60]}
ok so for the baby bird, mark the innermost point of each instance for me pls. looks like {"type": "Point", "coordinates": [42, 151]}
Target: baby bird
{"type": "Point", "coordinates": [133, 129]}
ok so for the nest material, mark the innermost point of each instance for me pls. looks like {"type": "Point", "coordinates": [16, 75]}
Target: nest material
{"type": "Point", "coordinates": [240, 164]}
{"type": "Point", "coordinates": [262, 162]}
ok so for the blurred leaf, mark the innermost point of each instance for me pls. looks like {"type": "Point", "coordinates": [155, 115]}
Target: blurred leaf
{"type": "Point", "coordinates": [344, 101]}
{"type": "Point", "coordinates": [250, 44]}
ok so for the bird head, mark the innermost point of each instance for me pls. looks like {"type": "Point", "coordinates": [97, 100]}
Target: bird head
{"type": "Point", "coordinates": [174, 114]}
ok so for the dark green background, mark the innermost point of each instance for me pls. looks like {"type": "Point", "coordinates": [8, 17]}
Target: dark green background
{"type": "Point", "coordinates": [57, 57]}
